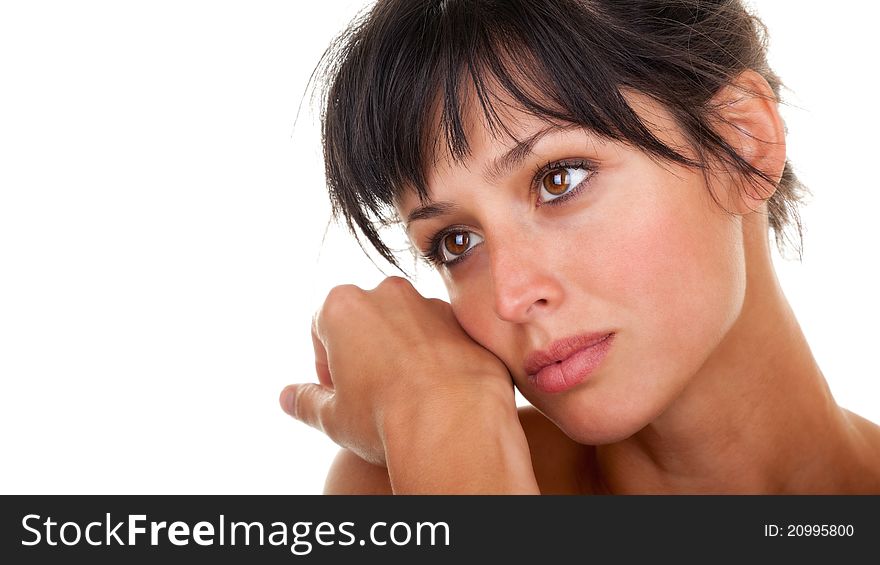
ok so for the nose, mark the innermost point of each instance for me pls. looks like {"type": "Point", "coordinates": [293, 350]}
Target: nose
{"type": "Point", "coordinates": [524, 283]}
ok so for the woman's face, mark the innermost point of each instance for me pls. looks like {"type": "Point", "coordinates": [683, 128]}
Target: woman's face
{"type": "Point", "coordinates": [570, 236]}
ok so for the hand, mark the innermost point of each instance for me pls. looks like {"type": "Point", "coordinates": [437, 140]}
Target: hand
{"type": "Point", "coordinates": [389, 359]}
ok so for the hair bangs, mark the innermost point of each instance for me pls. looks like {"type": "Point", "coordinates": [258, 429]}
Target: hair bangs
{"type": "Point", "coordinates": [406, 77]}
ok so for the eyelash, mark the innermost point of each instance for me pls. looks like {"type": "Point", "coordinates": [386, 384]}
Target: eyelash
{"type": "Point", "coordinates": [574, 164]}
{"type": "Point", "coordinates": [433, 256]}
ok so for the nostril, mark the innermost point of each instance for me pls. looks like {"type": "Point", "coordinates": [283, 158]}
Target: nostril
{"type": "Point", "coordinates": [540, 303]}
{"type": "Point", "coordinates": [522, 293]}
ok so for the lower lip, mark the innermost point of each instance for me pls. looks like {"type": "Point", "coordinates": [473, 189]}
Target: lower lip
{"type": "Point", "coordinates": [573, 370]}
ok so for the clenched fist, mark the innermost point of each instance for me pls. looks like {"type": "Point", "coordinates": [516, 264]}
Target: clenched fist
{"type": "Point", "coordinates": [402, 385]}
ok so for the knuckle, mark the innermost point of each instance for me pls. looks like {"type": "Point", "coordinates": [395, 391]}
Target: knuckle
{"type": "Point", "coordinates": [343, 292]}
{"type": "Point", "coordinates": [339, 300]}
{"type": "Point", "coordinates": [301, 409]}
{"type": "Point", "coordinates": [308, 406]}
{"type": "Point", "coordinates": [438, 303]}
{"type": "Point", "coordinates": [394, 283]}
{"type": "Point", "coordinates": [441, 307]}
{"type": "Point", "coordinates": [326, 420]}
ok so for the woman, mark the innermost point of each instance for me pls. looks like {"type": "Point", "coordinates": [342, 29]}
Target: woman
{"type": "Point", "coordinates": [595, 183]}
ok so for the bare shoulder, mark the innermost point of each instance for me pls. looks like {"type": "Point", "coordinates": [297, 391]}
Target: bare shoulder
{"type": "Point", "coordinates": [557, 460]}
{"type": "Point", "coordinates": [869, 435]}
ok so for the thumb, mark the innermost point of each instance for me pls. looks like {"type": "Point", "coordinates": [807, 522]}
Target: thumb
{"type": "Point", "coordinates": [309, 403]}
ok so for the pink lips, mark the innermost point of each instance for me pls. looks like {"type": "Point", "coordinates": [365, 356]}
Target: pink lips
{"type": "Point", "coordinates": [567, 362]}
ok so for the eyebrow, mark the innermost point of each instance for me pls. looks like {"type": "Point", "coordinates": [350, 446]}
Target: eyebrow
{"type": "Point", "coordinates": [428, 211]}
{"type": "Point", "coordinates": [502, 165]}
{"type": "Point", "coordinates": [517, 154]}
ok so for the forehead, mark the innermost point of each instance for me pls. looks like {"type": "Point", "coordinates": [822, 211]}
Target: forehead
{"type": "Point", "coordinates": [507, 126]}
{"type": "Point", "coordinates": [478, 132]}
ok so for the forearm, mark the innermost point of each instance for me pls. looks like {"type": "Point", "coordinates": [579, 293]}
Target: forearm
{"type": "Point", "coordinates": [472, 447]}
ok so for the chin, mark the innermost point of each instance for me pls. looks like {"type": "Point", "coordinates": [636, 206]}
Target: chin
{"type": "Point", "coordinates": [591, 416]}
{"type": "Point", "coordinates": [602, 432]}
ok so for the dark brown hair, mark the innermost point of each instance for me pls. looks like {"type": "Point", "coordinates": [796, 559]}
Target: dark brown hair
{"type": "Point", "coordinates": [404, 62]}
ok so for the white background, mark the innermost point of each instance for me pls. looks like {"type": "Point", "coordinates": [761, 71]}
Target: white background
{"type": "Point", "coordinates": [161, 225]}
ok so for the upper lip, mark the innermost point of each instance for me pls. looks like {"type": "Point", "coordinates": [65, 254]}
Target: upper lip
{"type": "Point", "coordinates": [560, 350]}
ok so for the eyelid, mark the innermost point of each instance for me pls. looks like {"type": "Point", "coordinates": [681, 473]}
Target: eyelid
{"type": "Point", "coordinates": [575, 163]}
{"type": "Point", "coordinates": [432, 243]}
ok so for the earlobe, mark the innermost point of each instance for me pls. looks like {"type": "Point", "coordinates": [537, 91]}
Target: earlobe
{"type": "Point", "coordinates": [748, 119]}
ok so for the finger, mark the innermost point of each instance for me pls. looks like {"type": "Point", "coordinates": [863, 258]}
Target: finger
{"type": "Point", "coordinates": [309, 403]}
{"type": "Point", "coordinates": [322, 366]}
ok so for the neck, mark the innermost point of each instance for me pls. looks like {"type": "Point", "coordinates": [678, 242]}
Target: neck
{"type": "Point", "coordinates": [758, 416]}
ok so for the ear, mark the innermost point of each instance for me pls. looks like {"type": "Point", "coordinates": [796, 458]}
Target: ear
{"type": "Point", "coordinates": [748, 119]}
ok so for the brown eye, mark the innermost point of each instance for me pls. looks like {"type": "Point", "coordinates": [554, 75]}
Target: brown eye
{"type": "Point", "coordinates": [556, 182]}
{"type": "Point", "coordinates": [457, 245]}
{"type": "Point", "coordinates": [457, 242]}
{"type": "Point", "coordinates": [563, 181]}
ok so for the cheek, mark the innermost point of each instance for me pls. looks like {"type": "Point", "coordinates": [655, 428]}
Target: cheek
{"type": "Point", "coordinates": [663, 266]}
{"type": "Point", "coordinates": [678, 277]}
{"type": "Point", "coordinates": [472, 301]}
{"type": "Point", "coordinates": [471, 304]}
{"type": "Point", "coordinates": [669, 274]}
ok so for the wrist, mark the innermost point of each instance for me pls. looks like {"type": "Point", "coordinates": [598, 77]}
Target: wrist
{"type": "Point", "coordinates": [458, 443]}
